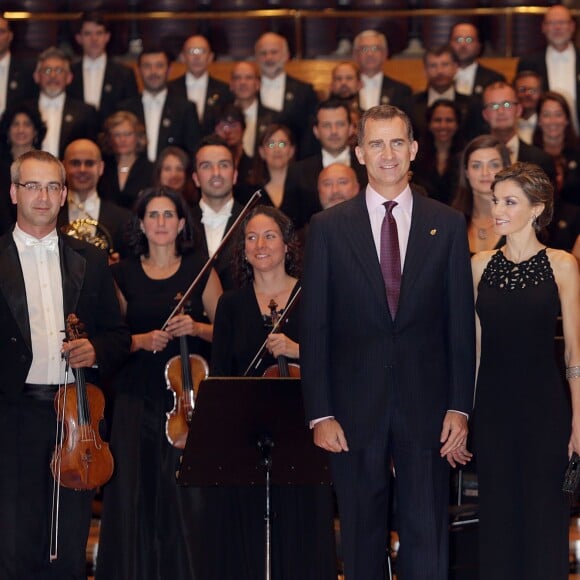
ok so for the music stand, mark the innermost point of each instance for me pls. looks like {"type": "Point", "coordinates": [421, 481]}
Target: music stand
{"type": "Point", "coordinates": [251, 431]}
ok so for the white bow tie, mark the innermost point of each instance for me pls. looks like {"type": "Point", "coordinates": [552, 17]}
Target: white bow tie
{"type": "Point", "coordinates": [50, 244]}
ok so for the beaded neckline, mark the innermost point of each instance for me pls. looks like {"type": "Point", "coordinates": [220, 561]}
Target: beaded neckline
{"type": "Point", "coordinates": [506, 275]}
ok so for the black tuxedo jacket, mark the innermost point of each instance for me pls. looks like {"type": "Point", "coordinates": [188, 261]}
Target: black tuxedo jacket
{"type": "Point", "coordinates": [179, 122]}
{"type": "Point", "coordinates": [79, 121]}
{"type": "Point", "coordinates": [223, 263]}
{"type": "Point", "coordinates": [21, 85]}
{"type": "Point", "coordinates": [537, 62]}
{"type": "Point", "coordinates": [218, 94]}
{"type": "Point", "coordinates": [301, 187]}
{"type": "Point", "coordinates": [357, 363]}
{"type": "Point", "coordinates": [484, 76]}
{"type": "Point", "coordinates": [119, 84]}
{"type": "Point", "coordinates": [533, 154]}
{"type": "Point", "coordinates": [88, 291]}
{"type": "Point", "coordinates": [113, 218]}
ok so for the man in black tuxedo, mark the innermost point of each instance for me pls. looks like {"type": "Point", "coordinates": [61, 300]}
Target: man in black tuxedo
{"type": "Point", "coordinates": [387, 381]}
{"type": "Point", "coordinates": [66, 118]}
{"type": "Point", "coordinates": [471, 76]}
{"type": "Point", "coordinates": [15, 74]}
{"type": "Point", "coordinates": [97, 79]}
{"type": "Point", "coordinates": [197, 85]}
{"type": "Point", "coordinates": [559, 63]}
{"type": "Point", "coordinates": [370, 52]}
{"type": "Point", "coordinates": [281, 92]}
{"type": "Point", "coordinates": [44, 277]}
{"type": "Point", "coordinates": [333, 129]}
{"type": "Point", "coordinates": [215, 174]}
{"type": "Point", "coordinates": [501, 111]}
{"type": "Point", "coordinates": [169, 119]}
{"type": "Point", "coordinates": [84, 166]}
{"type": "Point", "coordinates": [440, 68]}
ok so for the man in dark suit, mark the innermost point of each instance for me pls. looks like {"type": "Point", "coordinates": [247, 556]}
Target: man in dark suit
{"type": "Point", "coordinates": [388, 361]}
{"type": "Point", "coordinates": [44, 277]}
{"type": "Point", "coordinates": [559, 63]}
{"type": "Point", "coordinates": [97, 79]}
{"type": "Point", "coordinates": [66, 118]}
{"type": "Point", "coordinates": [440, 68]}
{"type": "Point", "coordinates": [169, 119]}
{"type": "Point", "coordinates": [333, 130]}
{"type": "Point", "coordinates": [501, 110]}
{"type": "Point", "coordinates": [279, 91]}
{"type": "Point", "coordinates": [215, 174]}
{"type": "Point", "coordinates": [471, 76]}
{"type": "Point", "coordinates": [197, 85]}
{"type": "Point", "coordinates": [370, 52]}
{"type": "Point", "coordinates": [15, 74]}
{"type": "Point", "coordinates": [84, 166]}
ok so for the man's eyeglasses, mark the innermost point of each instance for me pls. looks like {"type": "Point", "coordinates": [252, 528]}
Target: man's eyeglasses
{"type": "Point", "coordinates": [527, 90]}
{"type": "Point", "coordinates": [497, 106]}
{"type": "Point", "coordinates": [464, 39]}
{"type": "Point", "coordinates": [48, 70]}
{"type": "Point", "coordinates": [197, 50]}
{"type": "Point", "coordinates": [370, 49]}
{"type": "Point", "coordinates": [38, 187]}
{"type": "Point", "coordinates": [277, 144]}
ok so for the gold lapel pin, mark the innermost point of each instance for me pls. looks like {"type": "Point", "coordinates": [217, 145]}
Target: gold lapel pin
{"type": "Point", "coordinates": [433, 232]}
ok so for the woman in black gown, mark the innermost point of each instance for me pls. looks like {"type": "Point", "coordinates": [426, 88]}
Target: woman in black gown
{"type": "Point", "coordinates": [524, 426]}
{"type": "Point", "coordinates": [267, 268]}
{"type": "Point", "coordinates": [143, 533]}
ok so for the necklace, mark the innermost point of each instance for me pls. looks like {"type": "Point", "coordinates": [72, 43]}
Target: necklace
{"type": "Point", "coordinates": [482, 232]}
{"type": "Point", "coordinates": [124, 169]}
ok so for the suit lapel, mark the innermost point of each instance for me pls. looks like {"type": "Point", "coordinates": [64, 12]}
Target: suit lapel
{"type": "Point", "coordinates": [12, 287]}
{"type": "Point", "coordinates": [73, 267]}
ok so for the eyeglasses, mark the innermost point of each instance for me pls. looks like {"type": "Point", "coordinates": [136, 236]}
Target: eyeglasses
{"type": "Point", "coordinates": [81, 162]}
{"type": "Point", "coordinates": [119, 134]}
{"type": "Point", "coordinates": [464, 39]}
{"type": "Point", "coordinates": [370, 49]}
{"type": "Point", "coordinates": [279, 144]}
{"type": "Point", "coordinates": [497, 106]}
{"type": "Point", "coordinates": [38, 187]}
{"type": "Point", "coordinates": [48, 70]}
{"type": "Point", "coordinates": [196, 50]}
{"type": "Point", "coordinates": [527, 90]}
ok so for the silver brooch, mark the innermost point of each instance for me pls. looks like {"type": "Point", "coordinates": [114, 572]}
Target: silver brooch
{"type": "Point", "coordinates": [108, 88]}
{"type": "Point", "coordinates": [68, 118]}
{"type": "Point", "coordinates": [166, 122]}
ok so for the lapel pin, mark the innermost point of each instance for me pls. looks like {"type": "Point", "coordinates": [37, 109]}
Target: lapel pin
{"type": "Point", "coordinates": [166, 122]}
{"type": "Point", "coordinates": [68, 118]}
{"type": "Point", "coordinates": [108, 88]}
{"type": "Point", "coordinates": [13, 85]}
{"type": "Point", "coordinates": [433, 232]}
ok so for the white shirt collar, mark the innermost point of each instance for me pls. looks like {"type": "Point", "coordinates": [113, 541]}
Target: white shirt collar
{"type": "Point", "coordinates": [22, 239]}
{"type": "Point", "coordinates": [46, 102]}
{"type": "Point", "coordinates": [566, 54]}
{"type": "Point", "coordinates": [343, 157]}
{"type": "Point", "coordinates": [191, 81]}
{"type": "Point", "coordinates": [98, 63]}
{"type": "Point", "coordinates": [154, 99]}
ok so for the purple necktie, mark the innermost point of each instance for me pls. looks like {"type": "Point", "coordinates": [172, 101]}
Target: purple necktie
{"type": "Point", "coordinates": [391, 257]}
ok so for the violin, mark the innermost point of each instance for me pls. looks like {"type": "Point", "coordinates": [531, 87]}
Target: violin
{"type": "Point", "coordinates": [81, 459]}
{"type": "Point", "coordinates": [183, 374]}
{"type": "Point", "coordinates": [282, 368]}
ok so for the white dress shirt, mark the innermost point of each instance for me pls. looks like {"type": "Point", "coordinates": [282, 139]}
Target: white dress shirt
{"type": "Point", "coordinates": [4, 68]}
{"type": "Point", "coordinates": [51, 110]}
{"type": "Point", "coordinates": [251, 119]}
{"type": "Point", "coordinates": [561, 68]}
{"type": "Point", "coordinates": [272, 92]}
{"type": "Point", "coordinates": [343, 157]}
{"type": "Point", "coordinates": [433, 95]}
{"type": "Point", "coordinates": [40, 264]}
{"type": "Point", "coordinates": [153, 110]}
{"type": "Point", "coordinates": [370, 93]}
{"type": "Point", "coordinates": [196, 91]}
{"type": "Point", "coordinates": [513, 146]}
{"type": "Point", "coordinates": [214, 223]}
{"type": "Point", "coordinates": [465, 79]}
{"type": "Point", "coordinates": [526, 128]}
{"type": "Point", "coordinates": [93, 77]}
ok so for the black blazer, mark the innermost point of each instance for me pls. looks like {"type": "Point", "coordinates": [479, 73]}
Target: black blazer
{"type": "Point", "coordinates": [537, 62]}
{"type": "Point", "coordinates": [179, 122]}
{"type": "Point", "coordinates": [218, 94]}
{"type": "Point", "coordinates": [223, 263]}
{"type": "Point", "coordinates": [112, 217]}
{"type": "Point", "coordinates": [21, 85]}
{"type": "Point", "coordinates": [79, 121]}
{"type": "Point", "coordinates": [88, 291]}
{"type": "Point", "coordinates": [484, 76]}
{"type": "Point", "coordinates": [355, 360]}
{"type": "Point", "coordinates": [301, 187]}
{"type": "Point", "coordinates": [533, 154]}
{"type": "Point", "coordinates": [118, 84]}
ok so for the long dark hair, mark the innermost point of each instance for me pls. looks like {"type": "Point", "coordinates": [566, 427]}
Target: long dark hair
{"type": "Point", "coordinates": [260, 174]}
{"type": "Point", "coordinates": [463, 200]}
{"type": "Point", "coordinates": [136, 239]}
{"type": "Point", "coordinates": [32, 113]}
{"type": "Point", "coordinates": [570, 137]}
{"type": "Point", "coordinates": [243, 272]}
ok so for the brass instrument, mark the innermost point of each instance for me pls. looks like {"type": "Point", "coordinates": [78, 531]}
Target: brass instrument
{"type": "Point", "coordinates": [91, 231]}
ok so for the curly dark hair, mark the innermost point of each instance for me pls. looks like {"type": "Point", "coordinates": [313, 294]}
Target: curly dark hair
{"type": "Point", "coordinates": [22, 109]}
{"type": "Point", "coordinates": [243, 272]}
{"type": "Point", "coordinates": [136, 239]}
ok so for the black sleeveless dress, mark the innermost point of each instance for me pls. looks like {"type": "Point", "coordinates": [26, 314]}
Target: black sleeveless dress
{"type": "Point", "coordinates": [522, 424]}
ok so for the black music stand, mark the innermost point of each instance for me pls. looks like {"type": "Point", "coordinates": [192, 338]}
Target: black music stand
{"type": "Point", "coordinates": [251, 431]}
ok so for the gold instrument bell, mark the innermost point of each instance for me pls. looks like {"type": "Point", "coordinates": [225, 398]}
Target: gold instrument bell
{"type": "Point", "coordinates": [91, 231]}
